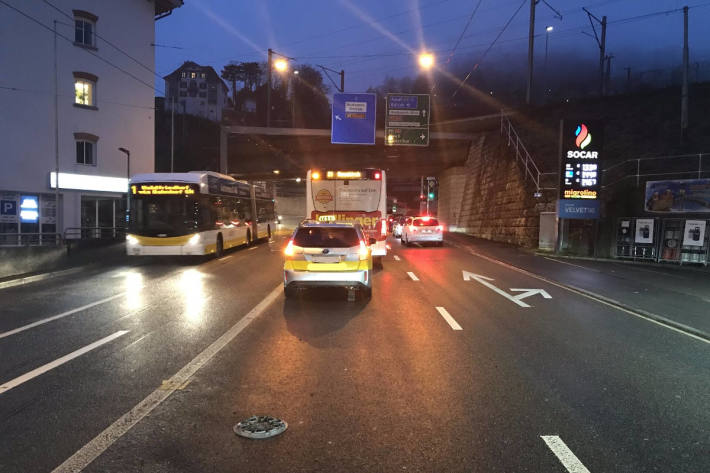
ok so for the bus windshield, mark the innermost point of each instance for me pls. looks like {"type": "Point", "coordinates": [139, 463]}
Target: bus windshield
{"type": "Point", "coordinates": [163, 215]}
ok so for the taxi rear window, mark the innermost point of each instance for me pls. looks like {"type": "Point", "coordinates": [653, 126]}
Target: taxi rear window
{"type": "Point", "coordinates": [420, 222]}
{"type": "Point", "coordinates": [326, 237]}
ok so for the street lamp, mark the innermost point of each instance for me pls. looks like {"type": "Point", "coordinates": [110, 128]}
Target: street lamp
{"type": "Point", "coordinates": [281, 65]}
{"type": "Point", "coordinates": [548, 30]}
{"type": "Point", "coordinates": [128, 176]}
{"type": "Point", "coordinates": [426, 61]}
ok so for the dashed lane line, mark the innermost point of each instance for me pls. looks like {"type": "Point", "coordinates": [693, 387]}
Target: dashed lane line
{"type": "Point", "coordinates": [413, 276]}
{"type": "Point", "coordinates": [396, 258]}
{"type": "Point", "coordinates": [450, 320]}
{"type": "Point", "coordinates": [564, 454]}
{"type": "Point", "coordinates": [59, 316]}
{"type": "Point", "coordinates": [58, 362]}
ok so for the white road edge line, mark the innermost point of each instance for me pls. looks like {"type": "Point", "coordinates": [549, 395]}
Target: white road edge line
{"type": "Point", "coordinates": [588, 294]}
{"type": "Point", "coordinates": [450, 320]}
{"type": "Point", "coordinates": [59, 316]}
{"type": "Point", "coordinates": [253, 248]}
{"type": "Point", "coordinates": [89, 452]}
{"type": "Point", "coordinates": [58, 362]}
{"type": "Point", "coordinates": [564, 454]}
{"type": "Point", "coordinates": [396, 258]}
{"type": "Point", "coordinates": [571, 264]}
{"type": "Point", "coordinates": [413, 276]}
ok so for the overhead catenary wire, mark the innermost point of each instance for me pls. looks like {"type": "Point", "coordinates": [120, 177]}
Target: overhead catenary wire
{"type": "Point", "coordinates": [88, 51]}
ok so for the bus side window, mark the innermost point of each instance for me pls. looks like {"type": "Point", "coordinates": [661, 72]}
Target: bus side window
{"type": "Point", "coordinates": [206, 217]}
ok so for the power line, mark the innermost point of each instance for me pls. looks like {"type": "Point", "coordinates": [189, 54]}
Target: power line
{"type": "Point", "coordinates": [48, 28]}
{"type": "Point", "coordinates": [149, 69]}
{"type": "Point", "coordinates": [483, 56]}
{"type": "Point", "coordinates": [465, 28]}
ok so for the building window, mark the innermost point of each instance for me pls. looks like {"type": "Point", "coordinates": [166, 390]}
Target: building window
{"type": "Point", "coordinates": [84, 28]}
{"type": "Point", "coordinates": [85, 89]}
{"type": "Point", "coordinates": [183, 93]}
{"type": "Point", "coordinates": [183, 74]}
{"type": "Point", "coordinates": [86, 148]}
{"type": "Point", "coordinates": [203, 75]}
{"type": "Point", "coordinates": [203, 94]}
{"type": "Point", "coordinates": [183, 84]}
{"type": "Point", "coordinates": [203, 85]}
{"type": "Point", "coordinates": [193, 75]}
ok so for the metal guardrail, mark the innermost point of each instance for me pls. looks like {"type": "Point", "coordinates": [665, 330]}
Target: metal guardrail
{"type": "Point", "coordinates": [683, 166]}
{"type": "Point", "coordinates": [30, 239]}
{"type": "Point", "coordinates": [94, 233]}
{"type": "Point", "coordinates": [521, 152]}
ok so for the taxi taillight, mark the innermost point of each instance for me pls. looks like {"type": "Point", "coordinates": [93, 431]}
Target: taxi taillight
{"type": "Point", "coordinates": [289, 249]}
{"type": "Point", "coordinates": [383, 228]}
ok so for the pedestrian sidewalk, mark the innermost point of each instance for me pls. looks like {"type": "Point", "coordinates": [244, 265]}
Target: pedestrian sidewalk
{"type": "Point", "coordinates": [678, 295]}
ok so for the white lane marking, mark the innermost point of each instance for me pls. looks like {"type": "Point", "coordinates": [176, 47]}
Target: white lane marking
{"type": "Point", "coordinates": [396, 258]}
{"type": "Point", "coordinates": [89, 452]}
{"type": "Point", "coordinates": [572, 264]}
{"type": "Point", "coordinates": [654, 318]}
{"type": "Point", "coordinates": [413, 276]}
{"type": "Point", "coordinates": [58, 362]}
{"type": "Point", "coordinates": [225, 258]}
{"type": "Point", "coordinates": [450, 320]}
{"type": "Point", "coordinates": [253, 248]}
{"type": "Point", "coordinates": [564, 454]}
{"type": "Point", "coordinates": [484, 280]}
{"type": "Point", "coordinates": [59, 316]}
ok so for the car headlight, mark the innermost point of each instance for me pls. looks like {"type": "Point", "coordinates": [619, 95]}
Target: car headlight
{"type": "Point", "coordinates": [131, 240]}
{"type": "Point", "coordinates": [194, 239]}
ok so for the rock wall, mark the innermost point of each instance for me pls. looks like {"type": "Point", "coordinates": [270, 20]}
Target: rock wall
{"type": "Point", "coordinates": [490, 198]}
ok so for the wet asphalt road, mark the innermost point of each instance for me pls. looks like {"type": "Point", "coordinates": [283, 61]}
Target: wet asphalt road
{"type": "Point", "coordinates": [388, 384]}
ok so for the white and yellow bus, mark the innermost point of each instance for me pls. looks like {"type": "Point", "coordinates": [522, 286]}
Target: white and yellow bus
{"type": "Point", "coordinates": [351, 196]}
{"type": "Point", "coordinates": [195, 213]}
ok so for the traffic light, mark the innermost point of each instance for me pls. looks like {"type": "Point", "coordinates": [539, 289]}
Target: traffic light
{"type": "Point", "coordinates": [431, 196]}
{"type": "Point", "coordinates": [421, 196]}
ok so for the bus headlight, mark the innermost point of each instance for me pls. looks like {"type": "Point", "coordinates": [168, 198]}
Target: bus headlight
{"type": "Point", "coordinates": [131, 240]}
{"type": "Point", "coordinates": [194, 239]}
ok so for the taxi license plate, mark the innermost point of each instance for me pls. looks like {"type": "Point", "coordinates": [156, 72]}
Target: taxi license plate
{"type": "Point", "coordinates": [326, 259]}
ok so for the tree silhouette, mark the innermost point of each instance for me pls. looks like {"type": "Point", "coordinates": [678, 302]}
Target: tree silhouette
{"type": "Point", "coordinates": [232, 73]}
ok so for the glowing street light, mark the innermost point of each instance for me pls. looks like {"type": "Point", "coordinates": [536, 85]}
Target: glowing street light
{"type": "Point", "coordinates": [549, 28]}
{"type": "Point", "coordinates": [426, 60]}
{"type": "Point", "coordinates": [281, 65]}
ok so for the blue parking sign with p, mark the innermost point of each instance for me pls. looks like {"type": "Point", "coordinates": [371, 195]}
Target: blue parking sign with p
{"type": "Point", "coordinates": [8, 207]}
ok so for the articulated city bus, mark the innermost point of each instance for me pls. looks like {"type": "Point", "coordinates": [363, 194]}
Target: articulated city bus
{"type": "Point", "coordinates": [195, 213]}
{"type": "Point", "coordinates": [351, 196]}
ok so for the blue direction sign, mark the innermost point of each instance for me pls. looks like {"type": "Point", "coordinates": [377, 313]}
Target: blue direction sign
{"type": "Point", "coordinates": [353, 119]}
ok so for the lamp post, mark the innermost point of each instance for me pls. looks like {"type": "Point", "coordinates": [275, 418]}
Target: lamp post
{"type": "Point", "coordinates": [128, 176]}
{"type": "Point", "coordinates": [548, 30]}
{"type": "Point", "coordinates": [281, 65]}
{"type": "Point", "coordinates": [426, 60]}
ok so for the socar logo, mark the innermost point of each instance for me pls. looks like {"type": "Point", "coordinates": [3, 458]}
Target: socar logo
{"type": "Point", "coordinates": [583, 136]}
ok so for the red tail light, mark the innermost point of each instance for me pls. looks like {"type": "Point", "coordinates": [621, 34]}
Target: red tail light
{"type": "Point", "coordinates": [378, 176]}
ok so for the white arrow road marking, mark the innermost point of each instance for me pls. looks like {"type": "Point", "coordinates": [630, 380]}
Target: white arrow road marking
{"type": "Point", "coordinates": [564, 454]}
{"type": "Point", "coordinates": [530, 292]}
{"type": "Point", "coordinates": [484, 280]}
{"type": "Point", "coordinates": [413, 276]}
{"type": "Point", "coordinates": [450, 320]}
{"type": "Point", "coordinates": [58, 362]}
{"type": "Point", "coordinates": [396, 258]}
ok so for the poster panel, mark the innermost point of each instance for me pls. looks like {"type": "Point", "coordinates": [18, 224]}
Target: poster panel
{"type": "Point", "coordinates": [644, 230]}
{"type": "Point", "coordinates": [694, 234]}
{"type": "Point", "coordinates": [678, 196]}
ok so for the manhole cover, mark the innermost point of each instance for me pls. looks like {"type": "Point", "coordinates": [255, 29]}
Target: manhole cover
{"type": "Point", "coordinates": [260, 427]}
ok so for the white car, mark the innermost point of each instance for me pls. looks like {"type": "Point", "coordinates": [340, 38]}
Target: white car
{"type": "Point", "coordinates": [422, 229]}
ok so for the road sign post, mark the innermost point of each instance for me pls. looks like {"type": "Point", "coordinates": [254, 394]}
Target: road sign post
{"type": "Point", "coordinates": [407, 120]}
{"type": "Point", "coordinates": [353, 119]}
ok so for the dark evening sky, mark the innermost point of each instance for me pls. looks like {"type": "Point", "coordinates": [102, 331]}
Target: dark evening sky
{"type": "Point", "coordinates": [372, 39]}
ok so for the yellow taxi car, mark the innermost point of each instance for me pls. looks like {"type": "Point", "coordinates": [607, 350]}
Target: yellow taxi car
{"type": "Point", "coordinates": [322, 254]}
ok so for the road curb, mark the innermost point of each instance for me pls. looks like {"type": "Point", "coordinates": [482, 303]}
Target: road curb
{"type": "Point", "coordinates": [670, 266]}
{"type": "Point", "coordinates": [658, 319]}
{"type": "Point", "coordinates": [40, 277]}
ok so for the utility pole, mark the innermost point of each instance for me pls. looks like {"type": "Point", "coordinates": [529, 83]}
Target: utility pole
{"type": "Point", "coordinates": [268, 88]}
{"type": "Point", "coordinates": [531, 48]}
{"type": "Point", "coordinates": [628, 80]}
{"type": "Point", "coordinates": [684, 87]}
{"type": "Point", "coordinates": [607, 79]}
{"type": "Point", "coordinates": [342, 80]}
{"type": "Point", "coordinates": [172, 132]}
{"type": "Point", "coordinates": [602, 46]}
{"type": "Point", "coordinates": [56, 134]}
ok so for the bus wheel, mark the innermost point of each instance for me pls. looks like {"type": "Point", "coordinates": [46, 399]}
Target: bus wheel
{"type": "Point", "coordinates": [219, 247]}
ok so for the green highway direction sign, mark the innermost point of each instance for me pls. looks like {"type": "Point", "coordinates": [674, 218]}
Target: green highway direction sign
{"type": "Point", "coordinates": [407, 120]}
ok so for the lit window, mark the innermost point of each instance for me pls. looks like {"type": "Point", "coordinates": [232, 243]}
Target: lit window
{"type": "Point", "coordinates": [83, 92]}
{"type": "Point", "coordinates": [85, 152]}
{"type": "Point", "coordinates": [203, 75]}
{"type": "Point", "coordinates": [84, 31]}
{"type": "Point", "coordinates": [183, 74]}
{"type": "Point", "coordinates": [193, 75]}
